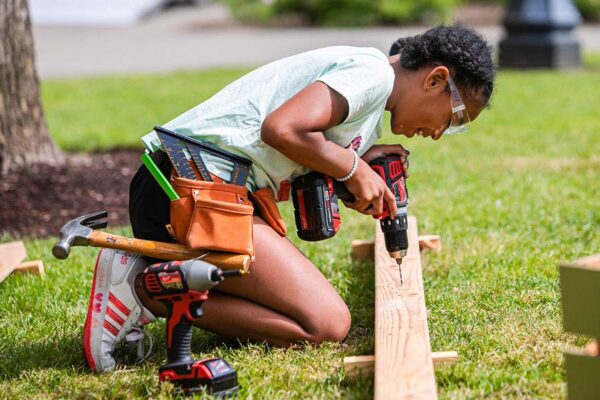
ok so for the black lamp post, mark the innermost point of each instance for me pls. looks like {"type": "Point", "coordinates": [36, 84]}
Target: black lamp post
{"type": "Point", "coordinates": [540, 35]}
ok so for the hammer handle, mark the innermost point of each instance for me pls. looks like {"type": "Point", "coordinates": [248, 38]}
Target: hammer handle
{"type": "Point", "coordinates": [168, 251]}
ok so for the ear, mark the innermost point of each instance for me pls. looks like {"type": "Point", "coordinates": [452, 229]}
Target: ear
{"type": "Point", "coordinates": [436, 79]}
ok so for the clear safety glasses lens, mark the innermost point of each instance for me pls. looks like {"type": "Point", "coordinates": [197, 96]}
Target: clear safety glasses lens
{"type": "Point", "coordinates": [460, 118]}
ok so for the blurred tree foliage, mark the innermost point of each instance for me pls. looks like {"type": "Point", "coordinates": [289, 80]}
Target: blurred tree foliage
{"type": "Point", "coordinates": [343, 12]}
{"type": "Point", "coordinates": [590, 9]}
{"type": "Point", "coordinates": [363, 12]}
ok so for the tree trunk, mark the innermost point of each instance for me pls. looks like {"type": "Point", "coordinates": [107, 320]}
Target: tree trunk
{"type": "Point", "coordinates": [24, 136]}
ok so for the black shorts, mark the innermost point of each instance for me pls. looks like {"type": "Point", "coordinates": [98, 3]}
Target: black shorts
{"type": "Point", "coordinates": [148, 203]}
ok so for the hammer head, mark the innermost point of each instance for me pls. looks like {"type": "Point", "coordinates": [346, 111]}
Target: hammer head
{"type": "Point", "coordinates": [77, 231]}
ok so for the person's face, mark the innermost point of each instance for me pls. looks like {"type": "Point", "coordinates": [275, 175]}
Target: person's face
{"type": "Point", "coordinates": [424, 109]}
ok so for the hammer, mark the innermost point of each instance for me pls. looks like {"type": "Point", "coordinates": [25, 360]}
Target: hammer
{"type": "Point", "coordinates": [82, 231]}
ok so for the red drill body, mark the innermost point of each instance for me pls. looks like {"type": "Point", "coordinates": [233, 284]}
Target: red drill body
{"type": "Point", "coordinates": [316, 207]}
{"type": "Point", "coordinates": [182, 286]}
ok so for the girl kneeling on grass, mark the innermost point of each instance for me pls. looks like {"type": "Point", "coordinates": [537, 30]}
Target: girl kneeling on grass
{"type": "Point", "coordinates": [317, 111]}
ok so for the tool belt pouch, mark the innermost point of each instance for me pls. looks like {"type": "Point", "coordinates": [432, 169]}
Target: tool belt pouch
{"type": "Point", "coordinates": [212, 216]}
{"type": "Point", "coordinates": [264, 202]}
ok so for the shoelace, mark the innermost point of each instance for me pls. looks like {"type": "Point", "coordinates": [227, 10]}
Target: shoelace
{"type": "Point", "coordinates": [138, 335]}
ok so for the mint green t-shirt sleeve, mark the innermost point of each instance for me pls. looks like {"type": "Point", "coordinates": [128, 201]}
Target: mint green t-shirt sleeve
{"type": "Point", "coordinates": [364, 80]}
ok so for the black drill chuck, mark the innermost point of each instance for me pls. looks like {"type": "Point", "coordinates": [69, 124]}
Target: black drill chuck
{"type": "Point", "coordinates": [395, 234]}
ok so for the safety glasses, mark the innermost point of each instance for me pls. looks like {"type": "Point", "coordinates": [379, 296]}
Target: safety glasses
{"type": "Point", "coordinates": [459, 122]}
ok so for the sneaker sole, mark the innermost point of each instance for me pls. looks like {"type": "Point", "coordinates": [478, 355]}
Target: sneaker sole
{"type": "Point", "coordinates": [87, 334]}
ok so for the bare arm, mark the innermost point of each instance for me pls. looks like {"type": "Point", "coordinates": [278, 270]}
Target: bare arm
{"type": "Point", "coordinates": [296, 130]}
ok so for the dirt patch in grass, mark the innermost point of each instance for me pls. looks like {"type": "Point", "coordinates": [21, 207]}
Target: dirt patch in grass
{"type": "Point", "coordinates": [39, 201]}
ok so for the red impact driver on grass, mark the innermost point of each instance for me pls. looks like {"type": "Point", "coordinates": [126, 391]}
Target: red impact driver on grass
{"type": "Point", "coordinates": [182, 286]}
{"type": "Point", "coordinates": [316, 209]}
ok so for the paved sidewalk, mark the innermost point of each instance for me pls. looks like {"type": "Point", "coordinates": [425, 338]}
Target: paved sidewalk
{"type": "Point", "coordinates": [202, 37]}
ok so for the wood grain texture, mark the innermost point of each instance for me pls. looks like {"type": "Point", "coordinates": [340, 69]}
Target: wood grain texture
{"type": "Point", "coordinates": [11, 255]}
{"type": "Point", "coordinates": [403, 365]}
{"type": "Point", "coordinates": [365, 365]}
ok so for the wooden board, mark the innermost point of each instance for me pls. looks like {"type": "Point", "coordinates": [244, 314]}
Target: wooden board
{"type": "Point", "coordinates": [365, 365]}
{"type": "Point", "coordinates": [364, 249]}
{"type": "Point", "coordinates": [403, 366]}
{"type": "Point", "coordinates": [590, 261]}
{"type": "Point", "coordinates": [583, 370]}
{"type": "Point", "coordinates": [34, 267]}
{"type": "Point", "coordinates": [430, 242]}
{"type": "Point", "coordinates": [580, 295]}
{"type": "Point", "coordinates": [11, 255]}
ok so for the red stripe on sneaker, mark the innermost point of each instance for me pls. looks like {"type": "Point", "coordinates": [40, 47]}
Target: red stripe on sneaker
{"type": "Point", "coordinates": [114, 316]}
{"type": "Point", "coordinates": [117, 303]}
{"type": "Point", "coordinates": [109, 327]}
{"type": "Point", "coordinates": [87, 333]}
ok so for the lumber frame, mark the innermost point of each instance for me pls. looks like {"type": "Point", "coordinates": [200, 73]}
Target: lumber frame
{"type": "Point", "coordinates": [403, 364]}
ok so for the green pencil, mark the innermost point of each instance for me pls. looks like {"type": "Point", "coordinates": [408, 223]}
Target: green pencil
{"type": "Point", "coordinates": [160, 178]}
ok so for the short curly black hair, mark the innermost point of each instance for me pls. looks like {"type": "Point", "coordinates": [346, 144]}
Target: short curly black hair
{"type": "Point", "coordinates": [466, 54]}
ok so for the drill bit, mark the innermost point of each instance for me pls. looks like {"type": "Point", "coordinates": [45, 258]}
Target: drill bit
{"type": "Point", "coordinates": [399, 262]}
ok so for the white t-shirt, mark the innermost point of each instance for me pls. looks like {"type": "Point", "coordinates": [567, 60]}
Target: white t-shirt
{"type": "Point", "coordinates": [232, 118]}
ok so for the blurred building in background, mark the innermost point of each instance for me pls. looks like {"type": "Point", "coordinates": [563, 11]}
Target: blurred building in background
{"type": "Point", "coordinates": [95, 13]}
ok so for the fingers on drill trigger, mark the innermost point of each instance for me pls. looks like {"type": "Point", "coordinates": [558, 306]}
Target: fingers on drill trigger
{"type": "Point", "coordinates": [391, 202]}
{"type": "Point", "coordinates": [378, 205]}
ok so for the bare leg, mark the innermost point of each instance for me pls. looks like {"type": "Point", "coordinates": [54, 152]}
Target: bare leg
{"type": "Point", "coordinates": [284, 300]}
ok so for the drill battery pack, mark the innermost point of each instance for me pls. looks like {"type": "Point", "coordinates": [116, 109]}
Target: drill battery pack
{"type": "Point", "coordinates": [316, 208]}
{"type": "Point", "coordinates": [213, 375]}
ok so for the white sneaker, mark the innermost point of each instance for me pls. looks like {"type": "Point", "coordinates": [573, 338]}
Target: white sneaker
{"type": "Point", "coordinates": [114, 308]}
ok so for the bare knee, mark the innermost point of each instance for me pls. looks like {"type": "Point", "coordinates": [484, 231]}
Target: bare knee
{"type": "Point", "coordinates": [332, 325]}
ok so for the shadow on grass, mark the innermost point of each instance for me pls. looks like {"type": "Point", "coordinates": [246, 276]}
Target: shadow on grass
{"type": "Point", "coordinates": [56, 352]}
{"type": "Point", "coordinates": [65, 353]}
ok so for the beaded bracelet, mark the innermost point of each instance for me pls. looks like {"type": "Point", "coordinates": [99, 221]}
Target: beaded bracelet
{"type": "Point", "coordinates": [352, 171]}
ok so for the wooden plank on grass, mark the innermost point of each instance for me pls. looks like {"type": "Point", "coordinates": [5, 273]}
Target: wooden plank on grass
{"type": "Point", "coordinates": [583, 369]}
{"type": "Point", "coordinates": [11, 255]}
{"type": "Point", "coordinates": [34, 267]}
{"type": "Point", "coordinates": [362, 249]}
{"type": "Point", "coordinates": [430, 242]}
{"type": "Point", "coordinates": [364, 365]}
{"type": "Point", "coordinates": [403, 365]}
{"type": "Point", "coordinates": [580, 289]}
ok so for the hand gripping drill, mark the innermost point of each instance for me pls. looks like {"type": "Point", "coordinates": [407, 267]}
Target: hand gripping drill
{"type": "Point", "coordinates": [316, 209]}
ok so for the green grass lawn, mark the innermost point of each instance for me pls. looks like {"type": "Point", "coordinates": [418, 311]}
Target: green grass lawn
{"type": "Point", "coordinates": [511, 199]}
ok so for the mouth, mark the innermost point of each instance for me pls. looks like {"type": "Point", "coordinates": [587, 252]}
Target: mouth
{"type": "Point", "coordinates": [420, 132]}
{"type": "Point", "coordinates": [410, 132]}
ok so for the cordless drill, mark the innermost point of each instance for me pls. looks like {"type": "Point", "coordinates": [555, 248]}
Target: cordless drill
{"type": "Point", "coordinates": [316, 208]}
{"type": "Point", "coordinates": [182, 286]}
